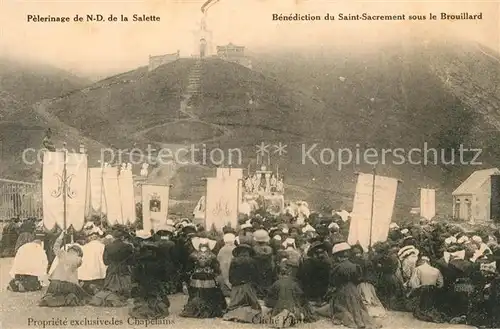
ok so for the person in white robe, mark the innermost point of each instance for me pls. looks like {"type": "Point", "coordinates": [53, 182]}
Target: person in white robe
{"type": "Point", "coordinates": [29, 267]}
{"type": "Point", "coordinates": [92, 271]}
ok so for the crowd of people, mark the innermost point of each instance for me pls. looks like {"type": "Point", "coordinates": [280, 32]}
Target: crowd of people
{"type": "Point", "coordinates": [269, 270]}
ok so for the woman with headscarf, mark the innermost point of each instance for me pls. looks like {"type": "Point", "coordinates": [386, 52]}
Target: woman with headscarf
{"type": "Point", "coordinates": [64, 288]}
{"type": "Point", "coordinates": [148, 275]}
{"type": "Point", "coordinates": [286, 299]}
{"type": "Point", "coordinates": [244, 305]}
{"type": "Point", "coordinates": [347, 307]}
{"type": "Point", "coordinates": [265, 262]}
{"type": "Point", "coordinates": [224, 258]}
{"type": "Point", "coordinates": [368, 280]}
{"type": "Point", "coordinates": [206, 299]}
{"type": "Point", "coordinates": [118, 257]}
{"type": "Point", "coordinates": [29, 267]}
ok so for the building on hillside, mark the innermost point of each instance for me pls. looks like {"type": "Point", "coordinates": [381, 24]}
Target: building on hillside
{"type": "Point", "coordinates": [476, 199]}
{"type": "Point", "coordinates": [156, 61]}
{"type": "Point", "coordinates": [235, 54]}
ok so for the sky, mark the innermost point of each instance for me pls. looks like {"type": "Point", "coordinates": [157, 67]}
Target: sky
{"type": "Point", "coordinates": [101, 48]}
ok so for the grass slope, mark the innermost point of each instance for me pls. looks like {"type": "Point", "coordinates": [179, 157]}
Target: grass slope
{"type": "Point", "coordinates": [23, 119]}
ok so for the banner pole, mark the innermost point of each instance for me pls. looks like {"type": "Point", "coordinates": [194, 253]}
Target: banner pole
{"type": "Point", "coordinates": [373, 205]}
{"type": "Point", "coordinates": [64, 190]}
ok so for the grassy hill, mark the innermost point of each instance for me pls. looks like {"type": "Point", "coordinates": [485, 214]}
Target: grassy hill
{"type": "Point", "coordinates": [406, 96]}
{"type": "Point", "coordinates": [114, 109]}
{"type": "Point", "coordinates": [23, 119]}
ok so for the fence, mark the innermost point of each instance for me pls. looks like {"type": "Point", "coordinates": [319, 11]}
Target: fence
{"type": "Point", "coordinates": [20, 199]}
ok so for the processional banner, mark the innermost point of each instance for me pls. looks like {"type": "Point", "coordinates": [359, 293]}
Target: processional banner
{"type": "Point", "coordinates": [362, 226]}
{"type": "Point", "coordinates": [127, 196]}
{"type": "Point", "coordinates": [64, 189]}
{"type": "Point", "coordinates": [154, 205]}
{"type": "Point", "coordinates": [427, 203]}
{"type": "Point", "coordinates": [221, 203]}
{"type": "Point", "coordinates": [112, 196]}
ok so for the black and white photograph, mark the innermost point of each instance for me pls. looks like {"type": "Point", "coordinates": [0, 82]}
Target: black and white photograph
{"type": "Point", "coordinates": [249, 164]}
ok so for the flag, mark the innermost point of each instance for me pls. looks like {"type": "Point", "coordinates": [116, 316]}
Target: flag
{"type": "Point", "coordinates": [154, 205]}
{"type": "Point", "coordinates": [383, 206]}
{"type": "Point", "coordinates": [76, 200]}
{"type": "Point", "coordinates": [58, 188]}
{"type": "Point", "coordinates": [427, 203]}
{"type": "Point", "coordinates": [221, 202]}
{"type": "Point", "coordinates": [112, 195]}
{"type": "Point", "coordinates": [97, 200]}
{"type": "Point", "coordinates": [127, 197]}
{"type": "Point", "coordinates": [52, 189]}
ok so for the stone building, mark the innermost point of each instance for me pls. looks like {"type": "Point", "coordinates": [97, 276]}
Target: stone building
{"type": "Point", "coordinates": [234, 53]}
{"type": "Point", "coordinates": [155, 61]}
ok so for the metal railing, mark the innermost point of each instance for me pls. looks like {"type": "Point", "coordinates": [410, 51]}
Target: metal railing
{"type": "Point", "coordinates": [20, 199]}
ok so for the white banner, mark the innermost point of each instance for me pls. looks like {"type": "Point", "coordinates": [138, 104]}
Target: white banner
{"type": "Point", "coordinates": [221, 203]}
{"type": "Point", "coordinates": [383, 206]}
{"type": "Point", "coordinates": [427, 203]}
{"type": "Point", "coordinates": [72, 187]}
{"type": "Point", "coordinates": [97, 200]}
{"type": "Point", "coordinates": [154, 205]}
{"type": "Point", "coordinates": [112, 195]}
{"type": "Point", "coordinates": [126, 183]}
{"type": "Point", "coordinates": [77, 178]}
{"type": "Point", "coordinates": [52, 189]}
{"type": "Point", "coordinates": [230, 172]}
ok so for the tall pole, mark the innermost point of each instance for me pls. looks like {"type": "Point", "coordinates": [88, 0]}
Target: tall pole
{"type": "Point", "coordinates": [64, 190]}
{"type": "Point", "coordinates": [373, 204]}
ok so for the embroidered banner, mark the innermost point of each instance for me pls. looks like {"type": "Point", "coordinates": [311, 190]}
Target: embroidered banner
{"type": "Point", "coordinates": [221, 203]}
{"type": "Point", "coordinates": [385, 196]}
{"type": "Point", "coordinates": [154, 205]}
{"type": "Point", "coordinates": [52, 189]}
{"type": "Point", "coordinates": [57, 186]}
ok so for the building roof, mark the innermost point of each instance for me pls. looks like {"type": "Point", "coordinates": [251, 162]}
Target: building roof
{"type": "Point", "coordinates": [475, 181]}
